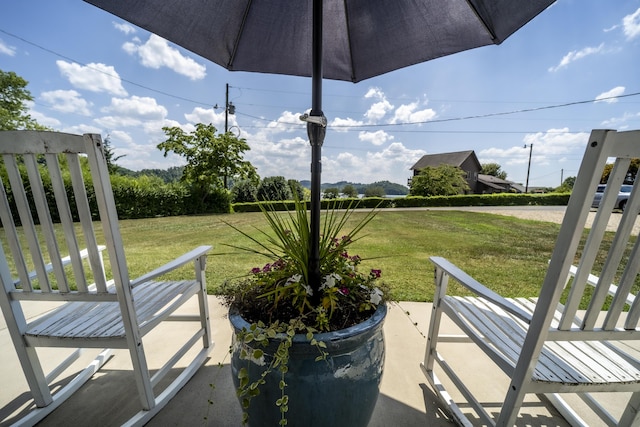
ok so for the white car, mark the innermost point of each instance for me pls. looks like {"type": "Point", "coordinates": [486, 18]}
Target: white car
{"type": "Point", "coordinates": [621, 202]}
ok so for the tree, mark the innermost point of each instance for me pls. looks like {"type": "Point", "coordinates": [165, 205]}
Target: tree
{"type": "Point", "coordinates": [632, 172]}
{"type": "Point", "coordinates": [211, 158]}
{"type": "Point", "coordinates": [374, 191]}
{"type": "Point", "coordinates": [13, 98]}
{"type": "Point", "coordinates": [274, 188]}
{"type": "Point", "coordinates": [244, 191]}
{"type": "Point", "coordinates": [443, 180]}
{"type": "Point", "coordinates": [331, 193]}
{"type": "Point", "coordinates": [349, 191]}
{"type": "Point", "coordinates": [109, 155]}
{"type": "Point", "coordinates": [297, 189]}
{"type": "Point", "coordinates": [493, 169]}
{"type": "Point", "coordinates": [567, 185]}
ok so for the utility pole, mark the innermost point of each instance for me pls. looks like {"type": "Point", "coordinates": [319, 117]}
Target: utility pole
{"type": "Point", "coordinates": [229, 108]}
{"type": "Point", "coordinates": [526, 187]}
{"type": "Point", "coordinates": [226, 112]}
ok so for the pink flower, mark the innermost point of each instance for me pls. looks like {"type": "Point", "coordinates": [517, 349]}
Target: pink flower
{"type": "Point", "coordinates": [255, 270]}
{"type": "Point", "coordinates": [376, 273]}
{"type": "Point", "coordinates": [344, 291]}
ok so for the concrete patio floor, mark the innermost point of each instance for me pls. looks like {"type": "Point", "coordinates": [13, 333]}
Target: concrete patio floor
{"type": "Point", "coordinates": [110, 398]}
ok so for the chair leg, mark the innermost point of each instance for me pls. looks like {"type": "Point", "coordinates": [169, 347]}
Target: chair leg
{"type": "Point", "coordinates": [631, 414]}
{"type": "Point", "coordinates": [141, 375]}
{"type": "Point", "coordinates": [436, 316]}
{"type": "Point", "coordinates": [203, 304]}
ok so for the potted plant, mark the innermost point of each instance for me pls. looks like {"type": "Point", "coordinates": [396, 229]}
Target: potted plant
{"type": "Point", "coordinates": [299, 357]}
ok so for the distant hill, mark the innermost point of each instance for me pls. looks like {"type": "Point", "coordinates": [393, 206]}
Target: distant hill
{"type": "Point", "coordinates": [174, 173]}
{"type": "Point", "coordinates": [390, 188]}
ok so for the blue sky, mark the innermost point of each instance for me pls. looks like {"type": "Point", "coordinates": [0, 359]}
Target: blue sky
{"type": "Point", "coordinates": [573, 68]}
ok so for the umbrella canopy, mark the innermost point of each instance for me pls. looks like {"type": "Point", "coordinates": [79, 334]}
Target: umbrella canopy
{"type": "Point", "coordinates": [362, 38]}
{"type": "Point", "coordinates": [348, 40]}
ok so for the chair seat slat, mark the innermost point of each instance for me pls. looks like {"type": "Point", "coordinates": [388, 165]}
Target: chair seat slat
{"type": "Point", "coordinates": [103, 319]}
{"type": "Point", "coordinates": [566, 362]}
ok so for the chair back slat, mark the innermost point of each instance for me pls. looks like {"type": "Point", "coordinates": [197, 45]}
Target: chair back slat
{"type": "Point", "coordinates": [66, 219]}
{"type": "Point", "coordinates": [86, 222]}
{"type": "Point", "coordinates": [612, 256]}
{"type": "Point", "coordinates": [594, 238]}
{"type": "Point", "coordinates": [46, 223]}
{"type": "Point", "coordinates": [11, 235]}
{"type": "Point", "coordinates": [614, 261]}
{"type": "Point", "coordinates": [28, 226]}
{"type": "Point", "coordinates": [46, 191]}
{"type": "Point", "coordinates": [627, 280]}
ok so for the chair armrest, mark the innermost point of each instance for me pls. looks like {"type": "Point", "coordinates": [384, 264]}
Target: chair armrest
{"type": "Point", "coordinates": [172, 265]}
{"type": "Point", "coordinates": [478, 288]}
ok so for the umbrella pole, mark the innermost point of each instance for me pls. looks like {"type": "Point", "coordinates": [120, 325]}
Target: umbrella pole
{"type": "Point", "coordinates": [316, 128]}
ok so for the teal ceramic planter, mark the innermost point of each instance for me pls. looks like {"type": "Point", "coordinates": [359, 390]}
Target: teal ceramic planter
{"type": "Point", "coordinates": [339, 392]}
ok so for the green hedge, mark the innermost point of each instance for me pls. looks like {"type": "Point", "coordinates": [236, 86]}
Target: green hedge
{"type": "Point", "coordinates": [499, 199]}
{"type": "Point", "coordinates": [284, 205]}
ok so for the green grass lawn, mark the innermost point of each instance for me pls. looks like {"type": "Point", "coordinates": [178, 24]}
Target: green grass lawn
{"type": "Point", "coordinates": [507, 254]}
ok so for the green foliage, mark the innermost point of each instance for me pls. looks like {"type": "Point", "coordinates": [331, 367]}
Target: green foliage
{"type": "Point", "coordinates": [211, 158]}
{"type": "Point", "coordinates": [287, 205]}
{"type": "Point", "coordinates": [274, 188]}
{"type": "Point", "coordinates": [497, 199]}
{"type": "Point", "coordinates": [349, 191]}
{"type": "Point", "coordinates": [110, 156]}
{"type": "Point", "coordinates": [632, 172]}
{"type": "Point", "coordinates": [282, 289]}
{"type": "Point", "coordinates": [297, 190]}
{"type": "Point", "coordinates": [279, 298]}
{"type": "Point", "coordinates": [13, 103]}
{"type": "Point", "coordinates": [244, 191]}
{"type": "Point", "coordinates": [443, 180]}
{"type": "Point", "coordinates": [567, 185]}
{"type": "Point", "coordinates": [374, 191]}
{"type": "Point", "coordinates": [331, 193]}
{"type": "Point", "coordinates": [493, 169]}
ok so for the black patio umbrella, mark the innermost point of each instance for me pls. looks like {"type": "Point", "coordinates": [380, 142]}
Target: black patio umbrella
{"type": "Point", "coordinates": [348, 40]}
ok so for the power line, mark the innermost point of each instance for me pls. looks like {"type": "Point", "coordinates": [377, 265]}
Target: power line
{"type": "Point", "coordinates": [353, 127]}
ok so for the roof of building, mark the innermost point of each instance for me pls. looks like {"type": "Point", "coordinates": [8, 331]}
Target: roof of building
{"type": "Point", "coordinates": [455, 159]}
{"type": "Point", "coordinates": [497, 183]}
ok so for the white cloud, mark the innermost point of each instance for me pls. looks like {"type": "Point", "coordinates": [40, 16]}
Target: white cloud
{"type": "Point", "coordinates": [94, 77]}
{"type": "Point", "coordinates": [343, 125]}
{"type": "Point", "coordinates": [392, 164]}
{"type": "Point", "coordinates": [287, 122]}
{"type": "Point", "coordinates": [157, 53]}
{"type": "Point", "coordinates": [44, 120]}
{"type": "Point", "coordinates": [378, 110]}
{"type": "Point", "coordinates": [548, 147]}
{"type": "Point", "coordinates": [374, 92]}
{"type": "Point", "coordinates": [136, 107]}
{"type": "Point", "coordinates": [576, 55]}
{"type": "Point", "coordinates": [209, 115]}
{"type": "Point", "coordinates": [620, 122]}
{"type": "Point", "coordinates": [408, 113]}
{"type": "Point", "coordinates": [124, 27]}
{"type": "Point", "coordinates": [610, 95]}
{"type": "Point", "coordinates": [66, 101]}
{"type": "Point", "coordinates": [631, 25]}
{"type": "Point", "coordinates": [376, 138]}
{"type": "Point", "coordinates": [5, 49]}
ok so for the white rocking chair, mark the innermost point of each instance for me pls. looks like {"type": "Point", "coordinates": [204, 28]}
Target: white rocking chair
{"type": "Point", "coordinates": [93, 310]}
{"type": "Point", "coordinates": [567, 341]}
